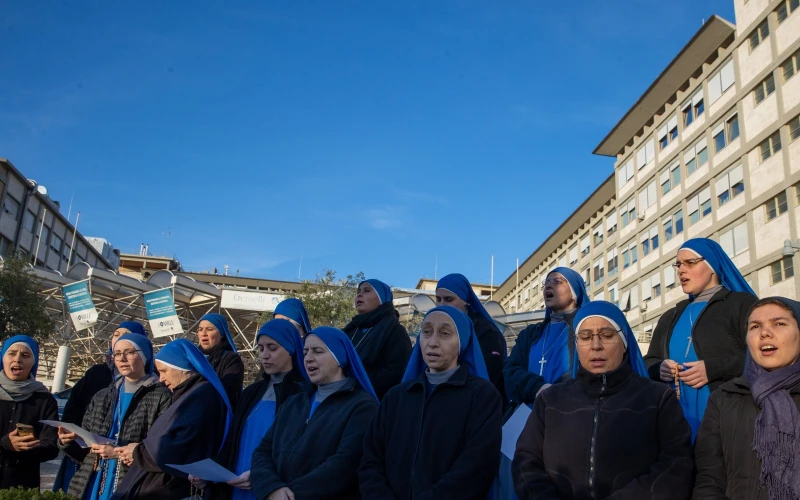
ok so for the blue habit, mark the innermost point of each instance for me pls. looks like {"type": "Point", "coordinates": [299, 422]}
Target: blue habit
{"type": "Point", "coordinates": [257, 424]}
{"type": "Point", "coordinates": [108, 468]}
{"type": "Point", "coordinates": [553, 347]}
{"type": "Point", "coordinates": [693, 401]}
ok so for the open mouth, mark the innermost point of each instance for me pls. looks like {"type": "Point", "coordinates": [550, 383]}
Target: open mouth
{"type": "Point", "coordinates": [16, 370]}
{"type": "Point", "coordinates": [684, 281]}
{"type": "Point", "coordinates": [311, 370]}
{"type": "Point", "coordinates": [768, 349]}
{"type": "Point", "coordinates": [597, 362]}
{"type": "Point", "coordinates": [549, 295]}
{"type": "Point", "coordinates": [432, 355]}
{"type": "Point", "coordinates": [359, 302]}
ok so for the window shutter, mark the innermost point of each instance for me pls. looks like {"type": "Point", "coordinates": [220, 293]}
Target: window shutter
{"type": "Point", "coordinates": [672, 123]}
{"type": "Point", "coordinates": [705, 195]}
{"type": "Point", "coordinates": [651, 194]}
{"type": "Point", "coordinates": [688, 155]}
{"type": "Point", "coordinates": [726, 242]}
{"type": "Point", "coordinates": [691, 205]}
{"type": "Point", "coordinates": [726, 74]}
{"type": "Point", "coordinates": [736, 175]}
{"type": "Point", "coordinates": [662, 132]}
{"type": "Point", "coordinates": [714, 88]}
{"type": "Point", "coordinates": [651, 150]}
{"type": "Point", "coordinates": [722, 185]}
{"type": "Point", "coordinates": [669, 276]}
{"type": "Point", "coordinates": [664, 177]}
{"type": "Point", "coordinates": [641, 157]}
{"type": "Point", "coordinates": [740, 242]}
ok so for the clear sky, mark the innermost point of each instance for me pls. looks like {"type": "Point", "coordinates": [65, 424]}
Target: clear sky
{"type": "Point", "coordinates": [370, 136]}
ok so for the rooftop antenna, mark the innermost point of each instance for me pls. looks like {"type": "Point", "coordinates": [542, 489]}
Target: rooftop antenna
{"type": "Point", "coordinates": [436, 269]}
{"type": "Point", "coordinates": [69, 212]}
{"type": "Point", "coordinates": [300, 268]}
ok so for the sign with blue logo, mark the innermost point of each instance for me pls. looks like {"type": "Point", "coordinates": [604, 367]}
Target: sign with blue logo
{"type": "Point", "coordinates": [161, 314]}
{"type": "Point", "coordinates": [80, 305]}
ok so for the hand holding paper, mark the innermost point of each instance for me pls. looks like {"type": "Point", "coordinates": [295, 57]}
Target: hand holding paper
{"type": "Point", "coordinates": [207, 470]}
{"type": "Point", "coordinates": [90, 438]}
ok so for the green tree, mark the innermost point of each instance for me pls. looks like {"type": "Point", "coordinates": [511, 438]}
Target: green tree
{"type": "Point", "coordinates": [328, 300]}
{"type": "Point", "coordinates": [22, 309]}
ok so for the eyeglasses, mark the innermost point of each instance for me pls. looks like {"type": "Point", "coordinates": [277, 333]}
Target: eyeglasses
{"type": "Point", "coordinates": [605, 335]}
{"type": "Point", "coordinates": [689, 263]}
{"type": "Point", "coordinates": [555, 282]}
{"type": "Point", "coordinates": [124, 354]}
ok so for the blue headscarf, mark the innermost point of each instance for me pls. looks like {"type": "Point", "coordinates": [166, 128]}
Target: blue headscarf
{"type": "Point", "coordinates": [459, 285]}
{"type": "Point", "coordinates": [144, 346]}
{"type": "Point", "coordinates": [184, 355]}
{"type": "Point", "coordinates": [576, 284]}
{"type": "Point", "coordinates": [610, 312]}
{"type": "Point", "coordinates": [342, 350]}
{"type": "Point", "coordinates": [28, 341]}
{"type": "Point", "coordinates": [382, 289]}
{"type": "Point", "coordinates": [133, 327]}
{"type": "Point", "coordinates": [285, 333]}
{"type": "Point", "coordinates": [296, 311]}
{"type": "Point", "coordinates": [221, 324]}
{"type": "Point", "coordinates": [469, 348]}
{"type": "Point", "coordinates": [727, 272]}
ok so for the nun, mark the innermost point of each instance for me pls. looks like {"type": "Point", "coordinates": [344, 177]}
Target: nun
{"type": "Point", "coordinates": [25, 442]}
{"type": "Point", "coordinates": [700, 343]}
{"type": "Point", "coordinates": [747, 446]}
{"type": "Point", "coordinates": [124, 412]}
{"type": "Point", "coordinates": [280, 350]}
{"type": "Point", "coordinates": [609, 431]}
{"type": "Point", "coordinates": [543, 352]}
{"type": "Point", "coordinates": [313, 448]}
{"type": "Point", "coordinates": [216, 343]}
{"type": "Point", "coordinates": [96, 378]}
{"type": "Point", "coordinates": [380, 340]}
{"type": "Point", "coordinates": [438, 434]}
{"type": "Point", "coordinates": [193, 428]}
{"type": "Point", "coordinates": [455, 290]}
{"type": "Point", "coordinates": [293, 310]}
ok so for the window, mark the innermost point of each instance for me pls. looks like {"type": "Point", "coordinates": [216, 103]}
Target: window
{"type": "Point", "coordinates": [668, 132]}
{"type": "Point", "coordinates": [630, 299]}
{"type": "Point", "coordinates": [725, 133]}
{"type": "Point", "coordinates": [625, 173]}
{"type": "Point", "coordinates": [758, 35]}
{"type": "Point", "coordinates": [598, 296]}
{"type": "Point", "coordinates": [719, 83]}
{"type": "Point", "coordinates": [573, 254]}
{"type": "Point", "coordinates": [730, 185]}
{"type": "Point", "coordinates": [734, 240]}
{"type": "Point", "coordinates": [562, 260]}
{"type": "Point", "coordinates": [776, 206]}
{"type": "Point", "coordinates": [646, 154]}
{"type": "Point", "coordinates": [528, 294]}
{"type": "Point", "coordinates": [629, 256]}
{"type": "Point", "coordinates": [11, 207]}
{"type": "Point", "coordinates": [791, 65]}
{"type": "Point", "coordinates": [65, 254]}
{"type": "Point", "coordinates": [781, 270]}
{"type": "Point", "coordinates": [770, 146]}
{"type": "Point", "coordinates": [764, 89]}
{"type": "Point", "coordinates": [585, 276]}
{"type": "Point", "coordinates": [693, 109]}
{"type": "Point", "coordinates": [599, 272]}
{"type": "Point", "coordinates": [45, 234]}
{"type": "Point", "coordinates": [651, 287]}
{"type": "Point", "coordinates": [797, 193]}
{"type": "Point", "coordinates": [669, 277]}
{"type": "Point", "coordinates": [5, 246]}
{"type": "Point", "coordinates": [794, 128]}
{"type": "Point", "coordinates": [786, 8]}
{"type": "Point", "coordinates": [55, 243]}
{"type": "Point", "coordinates": [699, 205]}
{"type": "Point", "coordinates": [585, 245]}
{"type": "Point", "coordinates": [647, 197]}
{"type": "Point", "coordinates": [613, 262]}
{"type": "Point", "coordinates": [30, 221]}
{"type": "Point", "coordinates": [628, 212]}
{"type": "Point", "coordinates": [650, 240]}
{"type": "Point", "coordinates": [670, 178]}
{"type": "Point", "coordinates": [613, 295]}
{"type": "Point", "coordinates": [695, 157]}
{"type": "Point", "coordinates": [611, 223]}
{"type": "Point", "coordinates": [598, 234]}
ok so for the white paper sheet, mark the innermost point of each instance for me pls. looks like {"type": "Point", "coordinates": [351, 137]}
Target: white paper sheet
{"type": "Point", "coordinates": [513, 428]}
{"type": "Point", "coordinates": [207, 470]}
{"type": "Point", "coordinates": [88, 437]}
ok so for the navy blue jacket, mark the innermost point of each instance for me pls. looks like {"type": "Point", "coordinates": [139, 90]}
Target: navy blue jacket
{"type": "Point", "coordinates": [315, 457]}
{"type": "Point", "coordinates": [445, 446]}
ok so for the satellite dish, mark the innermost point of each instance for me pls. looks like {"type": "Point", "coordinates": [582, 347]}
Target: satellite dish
{"type": "Point", "coordinates": [42, 190]}
{"type": "Point", "coordinates": [422, 303]}
{"type": "Point", "coordinates": [494, 309]}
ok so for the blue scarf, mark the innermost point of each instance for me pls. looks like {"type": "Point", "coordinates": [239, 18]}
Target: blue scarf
{"type": "Point", "coordinates": [284, 333]}
{"type": "Point", "coordinates": [296, 311]}
{"type": "Point", "coordinates": [469, 348]}
{"type": "Point", "coordinates": [382, 289]}
{"type": "Point", "coordinates": [221, 324]}
{"type": "Point", "coordinates": [727, 272]}
{"type": "Point", "coordinates": [345, 355]}
{"type": "Point", "coordinates": [144, 346]}
{"type": "Point", "coordinates": [28, 341]}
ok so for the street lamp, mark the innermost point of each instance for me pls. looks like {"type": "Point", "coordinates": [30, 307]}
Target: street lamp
{"type": "Point", "coordinates": [790, 248]}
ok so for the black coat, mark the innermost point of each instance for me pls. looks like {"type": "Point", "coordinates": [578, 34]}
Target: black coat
{"type": "Point", "coordinates": [229, 367]}
{"type": "Point", "coordinates": [444, 447]}
{"type": "Point", "coordinates": [493, 347]}
{"type": "Point", "coordinates": [149, 401]}
{"type": "Point", "coordinates": [615, 435]}
{"type": "Point", "coordinates": [384, 350]}
{"type": "Point", "coordinates": [718, 335]}
{"type": "Point", "coordinates": [522, 385]}
{"type": "Point", "coordinates": [315, 457]}
{"type": "Point", "coordinates": [96, 378]}
{"type": "Point", "coordinates": [21, 468]}
{"type": "Point", "coordinates": [190, 430]}
{"type": "Point", "coordinates": [727, 466]}
{"type": "Point", "coordinates": [290, 386]}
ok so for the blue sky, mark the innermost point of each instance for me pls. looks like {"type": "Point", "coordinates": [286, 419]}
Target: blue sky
{"type": "Point", "coordinates": [368, 136]}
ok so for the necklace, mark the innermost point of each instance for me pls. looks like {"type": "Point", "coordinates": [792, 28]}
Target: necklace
{"type": "Point", "coordinates": [104, 471]}
{"type": "Point", "coordinates": [545, 353]}
{"type": "Point", "coordinates": [691, 328]}
{"type": "Point", "coordinates": [364, 336]}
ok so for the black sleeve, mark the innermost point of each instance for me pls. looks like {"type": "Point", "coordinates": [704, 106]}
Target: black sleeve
{"type": "Point", "coordinates": [395, 353]}
{"type": "Point", "coordinates": [655, 353]}
{"type": "Point", "coordinates": [712, 480]}
{"type": "Point", "coordinates": [522, 385]}
{"type": "Point", "coordinates": [531, 480]}
{"type": "Point", "coordinates": [232, 377]}
{"type": "Point", "coordinates": [48, 448]}
{"type": "Point", "coordinates": [372, 470]}
{"type": "Point", "coordinates": [492, 347]}
{"type": "Point", "coordinates": [95, 379]}
{"type": "Point", "coordinates": [726, 367]}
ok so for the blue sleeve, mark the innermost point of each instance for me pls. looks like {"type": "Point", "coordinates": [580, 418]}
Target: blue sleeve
{"type": "Point", "coordinates": [522, 385]}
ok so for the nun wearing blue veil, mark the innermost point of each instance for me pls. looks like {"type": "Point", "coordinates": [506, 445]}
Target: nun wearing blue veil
{"type": "Point", "coordinates": [700, 343]}
{"type": "Point", "coordinates": [216, 343]}
{"type": "Point", "coordinates": [193, 428]}
{"type": "Point", "coordinates": [543, 353]}
{"type": "Point", "coordinates": [280, 350]}
{"type": "Point", "coordinates": [315, 444]}
{"type": "Point", "coordinates": [380, 340]}
{"type": "Point", "coordinates": [574, 442]}
{"type": "Point", "coordinates": [455, 290]}
{"type": "Point", "coordinates": [124, 412]}
{"type": "Point", "coordinates": [292, 309]}
{"type": "Point", "coordinates": [438, 434]}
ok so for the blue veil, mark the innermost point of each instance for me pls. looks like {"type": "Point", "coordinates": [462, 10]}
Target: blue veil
{"type": "Point", "coordinates": [342, 350]}
{"type": "Point", "coordinates": [144, 346]}
{"type": "Point", "coordinates": [382, 289]}
{"type": "Point", "coordinates": [577, 285]}
{"type": "Point", "coordinates": [295, 310]}
{"type": "Point", "coordinates": [284, 333]}
{"type": "Point", "coordinates": [221, 324]}
{"type": "Point", "coordinates": [727, 272]}
{"type": "Point", "coordinates": [28, 341]}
